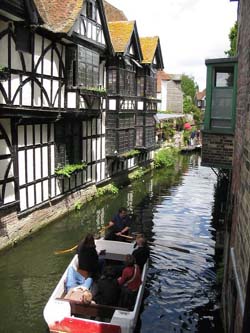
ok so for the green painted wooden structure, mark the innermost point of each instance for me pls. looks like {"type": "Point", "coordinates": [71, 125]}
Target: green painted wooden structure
{"type": "Point", "coordinates": [221, 95]}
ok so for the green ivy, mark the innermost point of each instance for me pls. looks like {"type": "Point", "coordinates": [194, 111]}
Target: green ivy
{"type": "Point", "coordinates": [78, 205]}
{"type": "Point", "coordinates": [68, 169]}
{"type": "Point", "coordinates": [138, 173]}
{"type": "Point", "coordinates": [108, 189]}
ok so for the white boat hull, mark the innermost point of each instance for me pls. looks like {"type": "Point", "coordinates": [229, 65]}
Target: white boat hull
{"type": "Point", "coordinates": [57, 312]}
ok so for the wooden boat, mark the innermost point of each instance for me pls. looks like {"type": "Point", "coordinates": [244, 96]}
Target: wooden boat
{"type": "Point", "coordinates": [73, 317]}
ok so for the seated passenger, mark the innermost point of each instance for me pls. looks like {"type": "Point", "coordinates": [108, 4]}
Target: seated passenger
{"type": "Point", "coordinates": [88, 256]}
{"type": "Point", "coordinates": [79, 294]}
{"type": "Point", "coordinates": [108, 290]}
{"type": "Point", "coordinates": [75, 278]}
{"type": "Point", "coordinates": [130, 281]}
{"type": "Point", "coordinates": [141, 251]}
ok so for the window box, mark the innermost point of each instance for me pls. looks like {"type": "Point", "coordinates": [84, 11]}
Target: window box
{"type": "Point", "coordinates": [70, 169]}
{"type": "Point", "coordinates": [98, 92]}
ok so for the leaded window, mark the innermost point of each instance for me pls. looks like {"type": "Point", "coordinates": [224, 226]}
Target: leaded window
{"type": "Point", "coordinates": [112, 81]}
{"type": "Point", "coordinates": [67, 141]}
{"type": "Point", "coordinates": [83, 67]}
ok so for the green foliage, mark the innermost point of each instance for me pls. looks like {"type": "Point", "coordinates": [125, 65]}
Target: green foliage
{"type": "Point", "coordinates": [138, 173]}
{"type": "Point", "coordinates": [233, 41]}
{"type": "Point", "coordinates": [187, 105]}
{"type": "Point", "coordinates": [186, 137]}
{"type": "Point", "coordinates": [130, 153]}
{"type": "Point", "coordinates": [68, 169]}
{"type": "Point", "coordinates": [78, 205]}
{"type": "Point", "coordinates": [168, 129]}
{"type": "Point", "coordinates": [197, 114]}
{"type": "Point", "coordinates": [165, 158]}
{"type": "Point", "coordinates": [108, 189]}
{"type": "Point", "coordinates": [188, 86]}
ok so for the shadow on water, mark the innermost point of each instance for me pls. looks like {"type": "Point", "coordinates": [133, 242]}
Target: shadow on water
{"type": "Point", "coordinates": [172, 207]}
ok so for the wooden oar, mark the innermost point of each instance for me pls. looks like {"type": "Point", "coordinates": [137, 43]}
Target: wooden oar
{"type": "Point", "coordinates": [158, 244]}
{"type": "Point", "coordinates": [75, 247]}
{"type": "Point", "coordinates": [66, 251]}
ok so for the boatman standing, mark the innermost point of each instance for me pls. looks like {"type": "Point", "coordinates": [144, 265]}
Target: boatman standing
{"type": "Point", "coordinates": [119, 225]}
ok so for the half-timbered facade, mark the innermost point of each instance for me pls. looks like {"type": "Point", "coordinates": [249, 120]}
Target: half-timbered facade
{"type": "Point", "coordinates": [52, 98]}
{"type": "Point", "coordinates": [76, 93]}
{"type": "Point", "coordinates": [131, 103]}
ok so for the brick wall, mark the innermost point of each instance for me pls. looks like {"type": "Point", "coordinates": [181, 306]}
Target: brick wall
{"type": "Point", "coordinates": [217, 150]}
{"type": "Point", "coordinates": [240, 190]}
{"type": "Point", "coordinates": [14, 228]}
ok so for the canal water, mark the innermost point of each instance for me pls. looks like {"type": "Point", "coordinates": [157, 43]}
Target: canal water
{"type": "Point", "coordinates": [172, 207]}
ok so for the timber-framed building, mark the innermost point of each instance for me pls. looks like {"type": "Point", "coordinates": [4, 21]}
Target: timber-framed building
{"type": "Point", "coordinates": [74, 90]}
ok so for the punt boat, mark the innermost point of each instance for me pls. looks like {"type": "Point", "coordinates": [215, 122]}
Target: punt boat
{"type": "Point", "coordinates": [69, 316]}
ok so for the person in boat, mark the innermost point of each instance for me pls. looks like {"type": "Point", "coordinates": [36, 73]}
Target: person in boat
{"type": "Point", "coordinates": [88, 265]}
{"type": "Point", "coordinates": [119, 225]}
{"type": "Point", "coordinates": [130, 281]}
{"type": "Point", "coordinates": [108, 289]}
{"type": "Point", "coordinates": [141, 251]}
{"type": "Point", "coordinates": [80, 294]}
{"type": "Point", "coordinates": [88, 257]}
{"type": "Point", "coordinates": [74, 279]}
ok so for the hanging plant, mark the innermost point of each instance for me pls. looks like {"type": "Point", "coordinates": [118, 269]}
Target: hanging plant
{"type": "Point", "coordinates": [93, 91]}
{"type": "Point", "coordinates": [130, 153]}
{"type": "Point", "coordinates": [4, 73]}
{"type": "Point", "coordinates": [69, 169]}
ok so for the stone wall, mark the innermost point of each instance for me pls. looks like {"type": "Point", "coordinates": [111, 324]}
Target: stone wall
{"type": "Point", "coordinates": [217, 150]}
{"type": "Point", "coordinates": [14, 227]}
{"type": "Point", "coordinates": [240, 190]}
{"type": "Point", "coordinates": [174, 97]}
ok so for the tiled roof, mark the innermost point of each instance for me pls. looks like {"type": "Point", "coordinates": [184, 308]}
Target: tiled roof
{"type": "Point", "coordinates": [121, 33]}
{"type": "Point", "coordinates": [161, 76]}
{"type": "Point", "coordinates": [113, 14]}
{"type": "Point", "coordinates": [59, 15]}
{"type": "Point", "coordinates": [148, 46]}
{"type": "Point", "coordinates": [201, 94]}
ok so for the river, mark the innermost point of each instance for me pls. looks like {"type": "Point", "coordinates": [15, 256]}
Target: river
{"type": "Point", "coordinates": [171, 207]}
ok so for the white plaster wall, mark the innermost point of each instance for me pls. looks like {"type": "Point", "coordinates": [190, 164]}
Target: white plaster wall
{"type": "Point", "coordinates": [71, 98]}
{"type": "Point", "coordinates": [38, 52]}
{"type": "Point", "coordinates": [22, 166]}
{"type": "Point", "coordinates": [39, 193]}
{"type": "Point", "coordinates": [112, 104]}
{"type": "Point", "coordinates": [9, 193]}
{"type": "Point", "coordinates": [31, 196]}
{"type": "Point", "coordinates": [26, 93]}
{"type": "Point", "coordinates": [37, 96]}
{"type": "Point", "coordinates": [38, 170]}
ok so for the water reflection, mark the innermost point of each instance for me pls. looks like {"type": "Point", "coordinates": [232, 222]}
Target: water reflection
{"type": "Point", "coordinates": [171, 207]}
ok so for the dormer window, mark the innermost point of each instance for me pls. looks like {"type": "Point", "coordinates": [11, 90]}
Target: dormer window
{"type": "Point", "coordinates": [91, 10]}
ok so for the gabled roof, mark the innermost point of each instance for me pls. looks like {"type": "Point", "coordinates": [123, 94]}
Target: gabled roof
{"type": "Point", "coordinates": [163, 76]}
{"type": "Point", "coordinates": [59, 15]}
{"type": "Point", "coordinates": [123, 34]}
{"type": "Point", "coordinates": [150, 49]}
{"type": "Point", "coordinates": [113, 14]}
{"type": "Point", "coordinates": [200, 94]}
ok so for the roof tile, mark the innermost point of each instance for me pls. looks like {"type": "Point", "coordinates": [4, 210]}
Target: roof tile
{"type": "Point", "coordinates": [113, 14]}
{"type": "Point", "coordinates": [148, 46]}
{"type": "Point", "coordinates": [121, 33]}
{"type": "Point", "coordinates": [59, 15]}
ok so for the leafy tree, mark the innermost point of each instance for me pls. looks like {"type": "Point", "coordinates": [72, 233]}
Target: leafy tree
{"type": "Point", "coordinates": [188, 86]}
{"type": "Point", "coordinates": [187, 104]}
{"type": "Point", "coordinates": [233, 41]}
